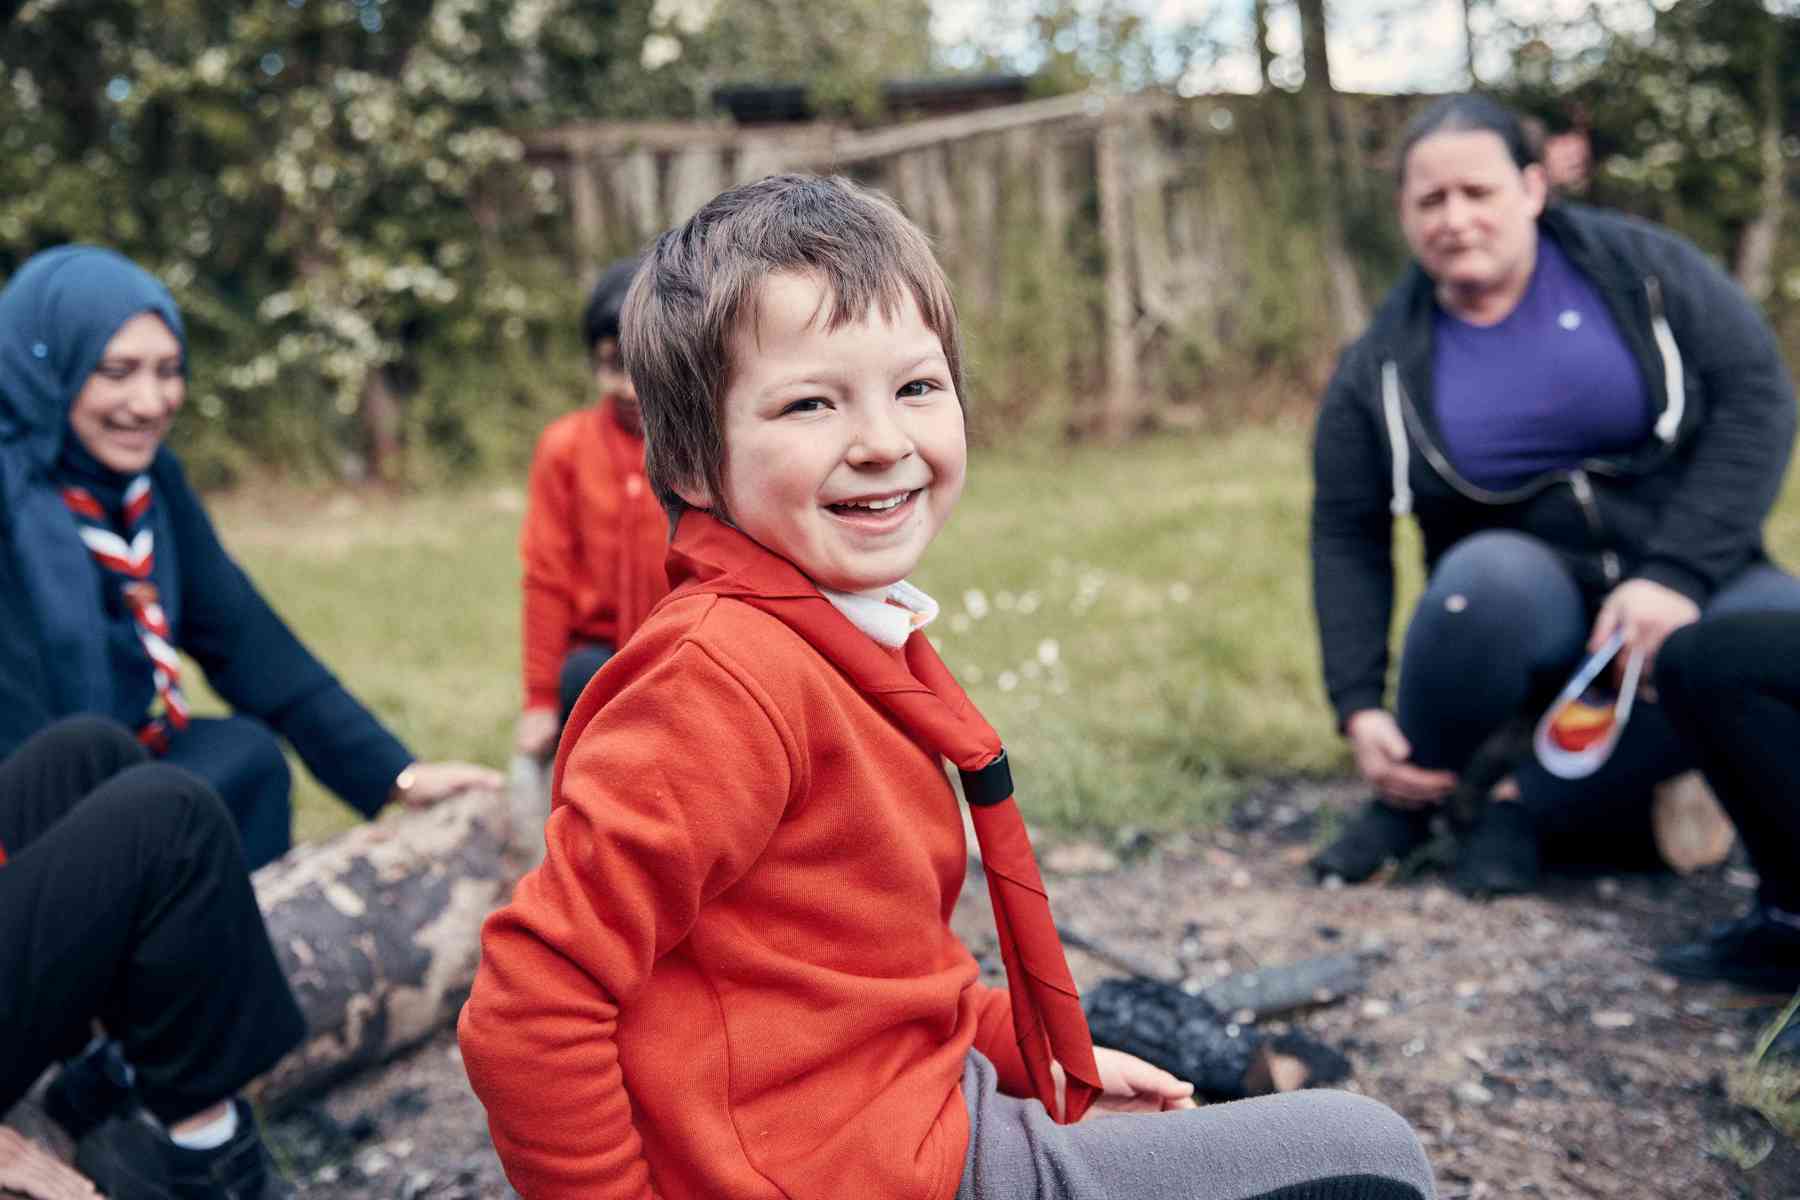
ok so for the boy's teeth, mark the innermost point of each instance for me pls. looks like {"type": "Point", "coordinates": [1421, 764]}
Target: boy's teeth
{"type": "Point", "coordinates": [877, 505]}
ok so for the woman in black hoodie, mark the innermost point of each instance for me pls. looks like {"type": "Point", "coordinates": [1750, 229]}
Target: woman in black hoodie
{"type": "Point", "coordinates": [1589, 422]}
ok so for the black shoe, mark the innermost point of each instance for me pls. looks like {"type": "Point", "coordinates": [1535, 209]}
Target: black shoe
{"type": "Point", "coordinates": [1755, 951]}
{"type": "Point", "coordinates": [94, 1085]}
{"type": "Point", "coordinates": [1500, 855]}
{"type": "Point", "coordinates": [129, 1158]}
{"type": "Point", "coordinates": [1378, 833]}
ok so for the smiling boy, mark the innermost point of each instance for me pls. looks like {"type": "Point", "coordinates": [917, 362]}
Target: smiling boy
{"type": "Point", "coordinates": [734, 973]}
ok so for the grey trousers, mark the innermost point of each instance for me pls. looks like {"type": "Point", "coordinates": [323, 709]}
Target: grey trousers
{"type": "Point", "coordinates": [1314, 1145]}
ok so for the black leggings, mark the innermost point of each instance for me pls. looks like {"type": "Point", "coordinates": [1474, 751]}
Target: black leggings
{"type": "Point", "coordinates": [1731, 684]}
{"type": "Point", "coordinates": [125, 900]}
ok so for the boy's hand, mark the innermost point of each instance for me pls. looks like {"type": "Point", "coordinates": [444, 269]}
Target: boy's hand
{"type": "Point", "coordinates": [1130, 1085]}
{"type": "Point", "coordinates": [535, 734]}
{"type": "Point", "coordinates": [30, 1170]}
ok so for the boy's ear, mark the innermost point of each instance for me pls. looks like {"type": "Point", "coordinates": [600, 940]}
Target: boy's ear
{"type": "Point", "coordinates": [694, 494]}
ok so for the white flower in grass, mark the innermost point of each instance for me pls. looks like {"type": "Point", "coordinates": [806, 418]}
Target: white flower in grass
{"type": "Point", "coordinates": [1180, 592]}
{"type": "Point", "coordinates": [971, 674]}
{"type": "Point", "coordinates": [959, 622]}
{"type": "Point", "coordinates": [1007, 681]}
{"type": "Point", "coordinates": [1048, 652]}
{"type": "Point", "coordinates": [975, 602]}
{"type": "Point", "coordinates": [1028, 603]}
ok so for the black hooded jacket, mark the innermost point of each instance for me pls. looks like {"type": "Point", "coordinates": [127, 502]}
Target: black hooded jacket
{"type": "Point", "coordinates": [1684, 509]}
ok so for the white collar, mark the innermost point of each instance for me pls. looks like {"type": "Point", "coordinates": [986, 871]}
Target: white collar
{"type": "Point", "coordinates": [889, 614]}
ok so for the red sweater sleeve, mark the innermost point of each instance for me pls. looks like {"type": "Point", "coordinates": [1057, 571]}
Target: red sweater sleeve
{"type": "Point", "coordinates": [995, 1038]}
{"type": "Point", "coordinates": [548, 545]}
{"type": "Point", "coordinates": [631, 860]}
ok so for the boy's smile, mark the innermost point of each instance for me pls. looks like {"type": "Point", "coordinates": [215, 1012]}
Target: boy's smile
{"type": "Point", "coordinates": [844, 448]}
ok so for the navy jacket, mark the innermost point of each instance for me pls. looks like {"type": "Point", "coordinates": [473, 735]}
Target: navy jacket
{"type": "Point", "coordinates": [66, 644]}
{"type": "Point", "coordinates": [1685, 508]}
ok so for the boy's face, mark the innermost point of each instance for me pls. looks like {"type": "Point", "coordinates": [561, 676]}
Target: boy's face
{"type": "Point", "coordinates": [844, 450]}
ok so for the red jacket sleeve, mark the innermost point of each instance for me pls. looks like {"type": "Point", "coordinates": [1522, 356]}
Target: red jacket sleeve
{"type": "Point", "coordinates": [995, 1038]}
{"type": "Point", "coordinates": [549, 548]}
{"type": "Point", "coordinates": [631, 860]}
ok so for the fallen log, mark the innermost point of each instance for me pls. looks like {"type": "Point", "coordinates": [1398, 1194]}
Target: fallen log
{"type": "Point", "coordinates": [1286, 987]}
{"type": "Point", "coordinates": [378, 930]}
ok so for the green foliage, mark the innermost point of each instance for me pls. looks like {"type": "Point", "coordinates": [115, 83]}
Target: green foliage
{"type": "Point", "coordinates": [327, 187]}
{"type": "Point", "coordinates": [1674, 111]}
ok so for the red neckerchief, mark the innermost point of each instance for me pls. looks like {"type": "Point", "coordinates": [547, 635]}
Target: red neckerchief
{"type": "Point", "coordinates": [642, 528]}
{"type": "Point", "coordinates": [128, 560]}
{"type": "Point", "coordinates": [710, 557]}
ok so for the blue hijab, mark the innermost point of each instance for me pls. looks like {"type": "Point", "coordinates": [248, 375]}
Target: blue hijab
{"type": "Point", "coordinates": [57, 315]}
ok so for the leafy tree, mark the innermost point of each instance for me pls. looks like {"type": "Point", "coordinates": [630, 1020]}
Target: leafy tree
{"type": "Point", "coordinates": [336, 191]}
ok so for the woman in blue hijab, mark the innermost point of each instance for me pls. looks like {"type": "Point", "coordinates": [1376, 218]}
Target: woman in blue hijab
{"type": "Point", "coordinates": [116, 567]}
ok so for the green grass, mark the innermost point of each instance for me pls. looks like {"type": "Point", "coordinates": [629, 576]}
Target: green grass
{"type": "Point", "coordinates": [1145, 637]}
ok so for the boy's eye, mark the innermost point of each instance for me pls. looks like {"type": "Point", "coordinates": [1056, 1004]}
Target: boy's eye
{"type": "Point", "coordinates": [809, 404]}
{"type": "Point", "coordinates": [917, 388]}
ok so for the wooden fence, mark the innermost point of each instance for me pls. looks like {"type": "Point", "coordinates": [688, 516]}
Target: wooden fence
{"type": "Point", "coordinates": [1149, 217]}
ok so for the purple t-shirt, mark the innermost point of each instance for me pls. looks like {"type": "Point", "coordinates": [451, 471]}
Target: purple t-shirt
{"type": "Point", "coordinates": [1547, 387]}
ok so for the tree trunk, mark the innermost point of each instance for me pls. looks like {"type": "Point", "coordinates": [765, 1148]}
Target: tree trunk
{"type": "Point", "coordinates": [381, 425]}
{"type": "Point", "coordinates": [1468, 14]}
{"type": "Point", "coordinates": [1756, 248]}
{"type": "Point", "coordinates": [1265, 57]}
{"type": "Point", "coordinates": [1325, 159]}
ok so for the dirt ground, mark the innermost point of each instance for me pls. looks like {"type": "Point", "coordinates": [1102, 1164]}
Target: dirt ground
{"type": "Point", "coordinates": [1526, 1039]}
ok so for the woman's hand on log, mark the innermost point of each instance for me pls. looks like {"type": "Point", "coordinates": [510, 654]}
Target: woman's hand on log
{"type": "Point", "coordinates": [1646, 612]}
{"type": "Point", "coordinates": [30, 1170]}
{"type": "Point", "coordinates": [425, 783]}
{"type": "Point", "coordinates": [1382, 753]}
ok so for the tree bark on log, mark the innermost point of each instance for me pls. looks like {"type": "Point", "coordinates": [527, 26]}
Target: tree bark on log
{"type": "Point", "coordinates": [378, 931]}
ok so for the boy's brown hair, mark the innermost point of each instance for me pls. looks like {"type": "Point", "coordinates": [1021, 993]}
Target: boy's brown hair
{"type": "Point", "coordinates": [702, 281]}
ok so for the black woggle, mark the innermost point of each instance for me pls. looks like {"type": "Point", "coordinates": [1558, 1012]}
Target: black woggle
{"type": "Point", "coordinates": [990, 785]}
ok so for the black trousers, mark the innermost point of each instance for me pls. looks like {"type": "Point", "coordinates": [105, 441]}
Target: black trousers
{"type": "Point", "coordinates": [125, 900]}
{"type": "Point", "coordinates": [1731, 684]}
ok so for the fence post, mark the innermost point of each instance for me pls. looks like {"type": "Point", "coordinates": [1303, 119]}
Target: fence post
{"type": "Point", "coordinates": [1121, 405]}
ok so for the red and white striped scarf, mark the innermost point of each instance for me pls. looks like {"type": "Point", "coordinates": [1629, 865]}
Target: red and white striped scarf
{"type": "Point", "coordinates": [128, 559]}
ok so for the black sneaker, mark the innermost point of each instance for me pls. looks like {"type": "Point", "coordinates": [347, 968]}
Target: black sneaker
{"type": "Point", "coordinates": [94, 1085]}
{"type": "Point", "coordinates": [1757, 951]}
{"type": "Point", "coordinates": [1499, 857]}
{"type": "Point", "coordinates": [130, 1158]}
{"type": "Point", "coordinates": [1378, 833]}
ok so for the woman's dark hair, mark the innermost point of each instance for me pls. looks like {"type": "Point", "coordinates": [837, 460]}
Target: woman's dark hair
{"type": "Point", "coordinates": [600, 319]}
{"type": "Point", "coordinates": [1468, 113]}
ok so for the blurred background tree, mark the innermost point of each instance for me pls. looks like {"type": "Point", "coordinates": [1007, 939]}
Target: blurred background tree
{"type": "Point", "coordinates": [338, 192]}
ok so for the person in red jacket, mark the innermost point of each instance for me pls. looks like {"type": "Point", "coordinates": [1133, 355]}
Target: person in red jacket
{"type": "Point", "coordinates": [734, 974]}
{"type": "Point", "coordinates": [593, 538]}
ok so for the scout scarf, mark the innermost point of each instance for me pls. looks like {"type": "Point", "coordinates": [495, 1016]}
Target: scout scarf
{"type": "Point", "coordinates": [127, 561]}
{"type": "Point", "coordinates": [709, 556]}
